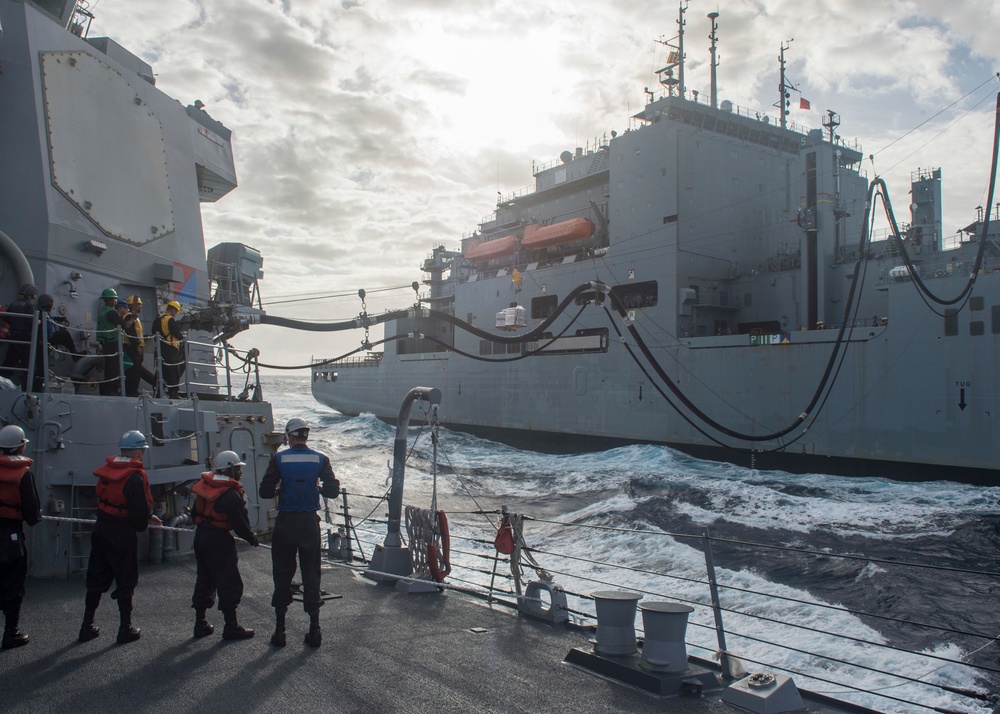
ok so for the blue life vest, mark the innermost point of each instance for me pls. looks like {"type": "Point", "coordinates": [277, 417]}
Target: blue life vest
{"type": "Point", "coordinates": [300, 469]}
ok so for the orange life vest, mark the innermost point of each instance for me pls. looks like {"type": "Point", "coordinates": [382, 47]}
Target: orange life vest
{"type": "Point", "coordinates": [111, 480]}
{"type": "Point", "coordinates": [12, 470]}
{"type": "Point", "coordinates": [208, 490]}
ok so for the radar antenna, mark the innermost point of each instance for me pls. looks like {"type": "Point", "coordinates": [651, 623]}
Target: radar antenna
{"type": "Point", "coordinates": [830, 122]}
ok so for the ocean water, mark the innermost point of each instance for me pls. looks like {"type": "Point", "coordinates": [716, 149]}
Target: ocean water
{"type": "Point", "coordinates": [646, 508]}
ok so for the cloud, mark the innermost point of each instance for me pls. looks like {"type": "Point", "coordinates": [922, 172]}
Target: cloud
{"type": "Point", "coordinates": [366, 132]}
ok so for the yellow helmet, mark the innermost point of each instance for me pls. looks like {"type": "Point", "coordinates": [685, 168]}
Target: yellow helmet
{"type": "Point", "coordinates": [174, 304]}
{"type": "Point", "coordinates": [134, 300]}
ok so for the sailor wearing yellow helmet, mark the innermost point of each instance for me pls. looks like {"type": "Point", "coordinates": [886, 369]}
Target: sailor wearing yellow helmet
{"type": "Point", "coordinates": [133, 345]}
{"type": "Point", "coordinates": [171, 355]}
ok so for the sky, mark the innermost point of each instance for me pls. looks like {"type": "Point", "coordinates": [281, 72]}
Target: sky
{"type": "Point", "coordinates": [366, 132]}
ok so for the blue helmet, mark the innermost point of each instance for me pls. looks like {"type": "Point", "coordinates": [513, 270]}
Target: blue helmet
{"type": "Point", "coordinates": [133, 440]}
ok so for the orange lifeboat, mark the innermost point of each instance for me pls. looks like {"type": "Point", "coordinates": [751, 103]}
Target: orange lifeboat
{"type": "Point", "coordinates": [491, 249]}
{"type": "Point", "coordinates": [536, 236]}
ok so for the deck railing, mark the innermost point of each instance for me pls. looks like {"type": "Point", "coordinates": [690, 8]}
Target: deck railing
{"type": "Point", "coordinates": [836, 651]}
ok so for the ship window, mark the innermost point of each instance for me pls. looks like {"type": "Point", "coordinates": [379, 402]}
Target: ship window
{"type": "Point", "coordinates": [543, 306]}
{"type": "Point", "coordinates": [976, 303]}
{"type": "Point", "coordinates": [645, 294]}
{"type": "Point", "coordinates": [995, 313]}
{"type": "Point", "coordinates": [485, 347]}
{"type": "Point", "coordinates": [977, 328]}
{"type": "Point", "coordinates": [950, 322]}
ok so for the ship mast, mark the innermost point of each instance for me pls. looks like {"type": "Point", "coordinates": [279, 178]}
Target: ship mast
{"type": "Point", "coordinates": [783, 86]}
{"type": "Point", "coordinates": [674, 59]}
{"type": "Point", "coordinates": [680, 44]}
{"type": "Point", "coordinates": [713, 16]}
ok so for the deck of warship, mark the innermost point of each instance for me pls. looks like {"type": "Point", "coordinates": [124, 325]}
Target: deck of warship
{"type": "Point", "coordinates": [382, 651]}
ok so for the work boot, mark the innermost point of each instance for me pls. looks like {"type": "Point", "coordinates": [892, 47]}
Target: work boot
{"type": "Point", "coordinates": [278, 638]}
{"type": "Point", "coordinates": [236, 632]}
{"type": "Point", "coordinates": [203, 628]}
{"type": "Point", "coordinates": [128, 633]}
{"type": "Point", "coordinates": [89, 631]}
{"type": "Point", "coordinates": [233, 630]}
{"type": "Point", "coordinates": [314, 638]}
{"type": "Point", "coordinates": [13, 637]}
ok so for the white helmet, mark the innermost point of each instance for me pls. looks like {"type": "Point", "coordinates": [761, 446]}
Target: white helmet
{"type": "Point", "coordinates": [225, 459]}
{"type": "Point", "coordinates": [295, 425]}
{"type": "Point", "coordinates": [12, 437]}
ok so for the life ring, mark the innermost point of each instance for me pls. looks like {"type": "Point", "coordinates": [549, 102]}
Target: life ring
{"type": "Point", "coordinates": [440, 563]}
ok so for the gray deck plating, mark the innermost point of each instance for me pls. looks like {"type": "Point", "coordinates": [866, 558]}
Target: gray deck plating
{"type": "Point", "coordinates": [382, 651]}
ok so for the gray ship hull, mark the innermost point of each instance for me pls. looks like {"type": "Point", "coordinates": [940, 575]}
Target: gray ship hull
{"type": "Point", "coordinates": [906, 403]}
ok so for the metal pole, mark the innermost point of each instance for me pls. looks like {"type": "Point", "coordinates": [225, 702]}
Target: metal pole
{"type": "Point", "coordinates": [158, 360]}
{"type": "Point", "coordinates": [720, 629]}
{"type": "Point", "coordinates": [229, 377]}
{"type": "Point", "coordinates": [713, 16]}
{"type": "Point", "coordinates": [427, 394]}
{"type": "Point", "coordinates": [392, 558]}
{"type": "Point", "coordinates": [121, 362]}
{"type": "Point", "coordinates": [44, 326]}
{"type": "Point", "coordinates": [32, 352]}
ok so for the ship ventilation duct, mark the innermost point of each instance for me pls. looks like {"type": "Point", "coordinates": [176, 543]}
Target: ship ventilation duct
{"type": "Point", "coordinates": [10, 251]}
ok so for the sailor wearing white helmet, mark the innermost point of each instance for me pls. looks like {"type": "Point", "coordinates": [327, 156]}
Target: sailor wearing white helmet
{"type": "Point", "coordinates": [220, 507]}
{"type": "Point", "coordinates": [18, 505]}
{"type": "Point", "coordinates": [297, 476]}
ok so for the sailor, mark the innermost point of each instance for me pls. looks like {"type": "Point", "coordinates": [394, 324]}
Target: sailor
{"type": "Point", "coordinates": [171, 355]}
{"type": "Point", "coordinates": [18, 317]}
{"type": "Point", "coordinates": [295, 476]}
{"type": "Point", "coordinates": [18, 505]}
{"type": "Point", "coordinates": [124, 508]}
{"type": "Point", "coordinates": [133, 345]}
{"type": "Point", "coordinates": [108, 321]}
{"type": "Point", "coordinates": [220, 507]}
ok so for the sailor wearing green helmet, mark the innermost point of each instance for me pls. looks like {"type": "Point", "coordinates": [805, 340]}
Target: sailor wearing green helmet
{"type": "Point", "coordinates": [108, 322]}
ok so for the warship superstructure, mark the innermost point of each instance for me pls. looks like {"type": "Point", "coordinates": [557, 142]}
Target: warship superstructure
{"type": "Point", "coordinates": [708, 280]}
{"type": "Point", "coordinates": [102, 180]}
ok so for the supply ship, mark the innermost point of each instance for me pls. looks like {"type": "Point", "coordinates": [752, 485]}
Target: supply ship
{"type": "Point", "coordinates": [102, 184]}
{"type": "Point", "coordinates": [709, 281]}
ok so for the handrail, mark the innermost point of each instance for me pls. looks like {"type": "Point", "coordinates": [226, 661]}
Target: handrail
{"type": "Point", "coordinates": [832, 661]}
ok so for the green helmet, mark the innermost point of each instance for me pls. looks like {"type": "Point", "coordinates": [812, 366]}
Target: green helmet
{"type": "Point", "coordinates": [109, 293]}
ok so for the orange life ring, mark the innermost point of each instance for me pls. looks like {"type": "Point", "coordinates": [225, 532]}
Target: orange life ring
{"type": "Point", "coordinates": [440, 563]}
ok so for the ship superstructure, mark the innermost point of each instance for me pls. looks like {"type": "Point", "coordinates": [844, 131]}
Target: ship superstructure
{"type": "Point", "coordinates": [102, 181]}
{"type": "Point", "coordinates": [737, 247]}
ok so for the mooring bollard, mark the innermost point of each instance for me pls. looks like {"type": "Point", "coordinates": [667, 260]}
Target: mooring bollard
{"type": "Point", "coordinates": [615, 622]}
{"type": "Point", "coordinates": [665, 624]}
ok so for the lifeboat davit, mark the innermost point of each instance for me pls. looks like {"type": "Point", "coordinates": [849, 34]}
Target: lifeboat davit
{"type": "Point", "coordinates": [536, 236]}
{"type": "Point", "coordinates": [492, 249]}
